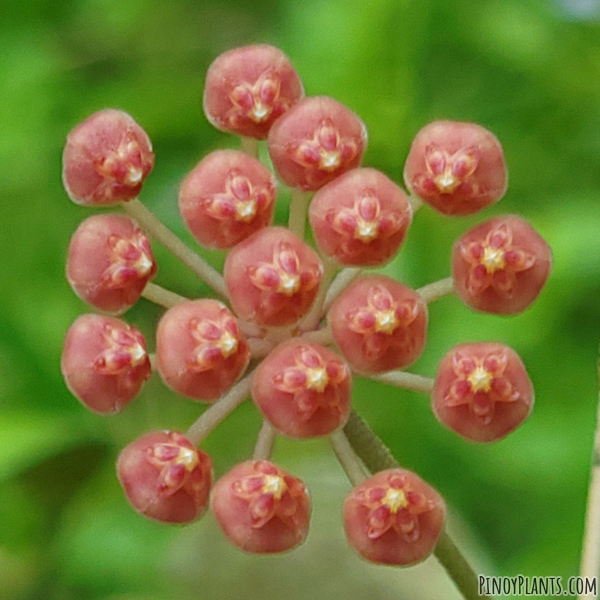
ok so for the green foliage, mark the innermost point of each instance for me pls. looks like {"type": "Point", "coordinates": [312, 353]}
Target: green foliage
{"type": "Point", "coordinates": [518, 67]}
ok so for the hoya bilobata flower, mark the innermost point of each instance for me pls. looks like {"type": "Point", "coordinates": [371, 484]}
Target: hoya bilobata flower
{"type": "Point", "coordinates": [110, 262]}
{"type": "Point", "coordinates": [104, 362]}
{"type": "Point", "coordinates": [457, 168]}
{"type": "Point", "coordinates": [394, 518]}
{"type": "Point", "coordinates": [482, 391]}
{"type": "Point", "coordinates": [261, 508]}
{"type": "Point", "coordinates": [272, 277]}
{"type": "Point", "coordinates": [106, 159]}
{"type": "Point", "coordinates": [501, 265]}
{"type": "Point", "coordinates": [379, 324]}
{"type": "Point", "coordinates": [303, 389]}
{"type": "Point", "coordinates": [361, 218]}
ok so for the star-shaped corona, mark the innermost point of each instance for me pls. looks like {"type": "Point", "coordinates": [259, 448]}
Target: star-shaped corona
{"type": "Point", "coordinates": [125, 348]}
{"type": "Point", "coordinates": [309, 379]}
{"type": "Point", "coordinates": [365, 221]}
{"type": "Point", "coordinates": [326, 150]}
{"type": "Point", "coordinates": [381, 315]}
{"type": "Point", "coordinates": [446, 172]}
{"type": "Point", "coordinates": [217, 339]}
{"type": "Point", "coordinates": [394, 505]}
{"type": "Point", "coordinates": [131, 259]}
{"type": "Point", "coordinates": [270, 493]}
{"type": "Point", "coordinates": [258, 101]}
{"type": "Point", "coordinates": [176, 461]}
{"type": "Point", "coordinates": [240, 201]}
{"type": "Point", "coordinates": [282, 274]}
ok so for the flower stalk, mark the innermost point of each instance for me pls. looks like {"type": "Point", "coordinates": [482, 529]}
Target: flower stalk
{"type": "Point", "coordinates": [409, 381]}
{"type": "Point", "coordinates": [437, 289]}
{"type": "Point", "coordinates": [219, 411]}
{"type": "Point", "coordinates": [265, 442]}
{"type": "Point", "coordinates": [169, 240]}
{"type": "Point", "coordinates": [161, 296]}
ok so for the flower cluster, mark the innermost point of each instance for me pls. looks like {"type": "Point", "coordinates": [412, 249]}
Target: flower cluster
{"type": "Point", "coordinates": [289, 330]}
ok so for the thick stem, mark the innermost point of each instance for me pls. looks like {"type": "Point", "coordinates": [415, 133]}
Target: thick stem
{"type": "Point", "coordinates": [161, 296]}
{"type": "Point", "coordinates": [158, 230]}
{"type": "Point", "coordinates": [377, 457]}
{"type": "Point", "coordinates": [339, 284]}
{"type": "Point", "coordinates": [409, 381]}
{"type": "Point", "coordinates": [437, 289]}
{"type": "Point", "coordinates": [219, 411]}
{"type": "Point", "coordinates": [316, 313]}
{"type": "Point", "coordinates": [265, 441]}
{"type": "Point", "coordinates": [458, 568]}
{"type": "Point", "coordinates": [298, 211]}
{"type": "Point", "coordinates": [349, 461]}
{"type": "Point", "coordinates": [590, 558]}
{"type": "Point", "coordinates": [250, 146]}
{"type": "Point", "coordinates": [370, 449]}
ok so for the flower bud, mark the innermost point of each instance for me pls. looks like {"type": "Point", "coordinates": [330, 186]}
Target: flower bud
{"type": "Point", "coordinates": [379, 324]}
{"type": "Point", "coordinates": [315, 142]}
{"type": "Point", "coordinates": [360, 218]}
{"type": "Point", "coordinates": [226, 198]}
{"type": "Point", "coordinates": [248, 88]}
{"type": "Point", "coordinates": [110, 262]}
{"type": "Point", "coordinates": [104, 362]}
{"type": "Point", "coordinates": [501, 265]}
{"type": "Point", "coordinates": [165, 477]}
{"type": "Point", "coordinates": [200, 352]}
{"type": "Point", "coordinates": [106, 159]}
{"type": "Point", "coordinates": [394, 518]}
{"type": "Point", "coordinates": [272, 277]}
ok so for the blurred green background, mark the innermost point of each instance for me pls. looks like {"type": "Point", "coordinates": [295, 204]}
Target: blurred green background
{"type": "Point", "coordinates": [528, 70]}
